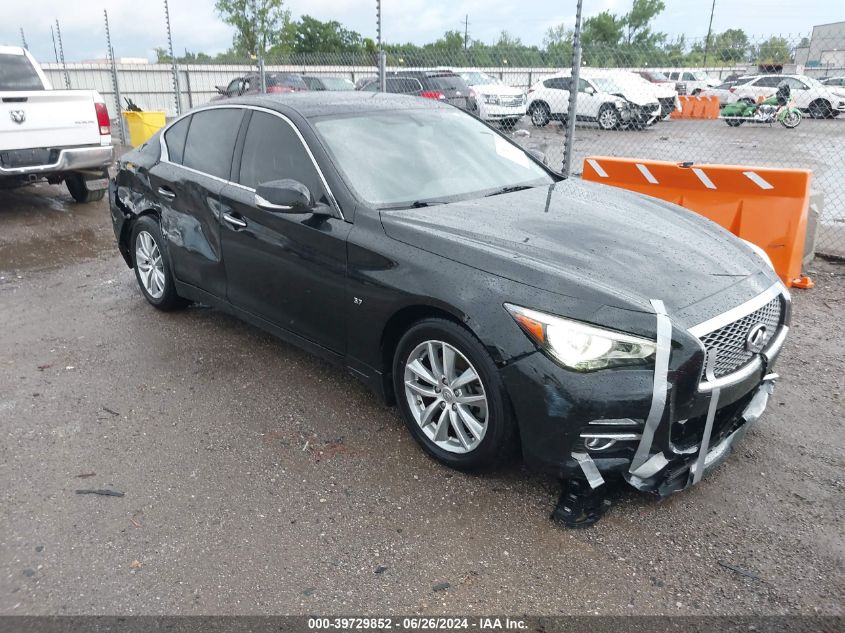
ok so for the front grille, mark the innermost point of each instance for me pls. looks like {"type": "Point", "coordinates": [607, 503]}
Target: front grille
{"type": "Point", "coordinates": [687, 434]}
{"type": "Point", "coordinates": [510, 101]}
{"type": "Point", "coordinates": [728, 341]}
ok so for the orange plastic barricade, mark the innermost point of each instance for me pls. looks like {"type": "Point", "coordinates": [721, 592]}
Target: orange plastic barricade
{"type": "Point", "coordinates": [696, 107]}
{"type": "Point", "coordinates": [767, 207]}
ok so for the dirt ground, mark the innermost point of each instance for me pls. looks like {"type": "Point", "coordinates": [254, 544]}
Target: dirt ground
{"type": "Point", "coordinates": [259, 480]}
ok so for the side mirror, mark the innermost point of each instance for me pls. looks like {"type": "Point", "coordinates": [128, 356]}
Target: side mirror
{"type": "Point", "coordinates": [220, 90]}
{"type": "Point", "coordinates": [590, 90]}
{"type": "Point", "coordinates": [536, 153]}
{"type": "Point", "coordinates": [284, 196]}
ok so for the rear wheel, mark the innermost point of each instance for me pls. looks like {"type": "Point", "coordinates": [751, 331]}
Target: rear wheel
{"type": "Point", "coordinates": [77, 186]}
{"type": "Point", "coordinates": [451, 396]}
{"type": "Point", "coordinates": [734, 122]}
{"type": "Point", "coordinates": [540, 114]}
{"type": "Point", "coordinates": [152, 269]}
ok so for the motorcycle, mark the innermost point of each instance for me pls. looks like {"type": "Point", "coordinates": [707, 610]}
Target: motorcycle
{"type": "Point", "coordinates": [778, 108]}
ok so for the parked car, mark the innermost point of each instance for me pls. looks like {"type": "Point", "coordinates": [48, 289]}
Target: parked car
{"type": "Point", "coordinates": [53, 135]}
{"type": "Point", "coordinates": [327, 83]}
{"type": "Point", "coordinates": [834, 82]}
{"type": "Point", "coordinates": [691, 82]}
{"type": "Point", "coordinates": [601, 99]}
{"type": "Point", "coordinates": [251, 85]}
{"type": "Point", "coordinates": [814, 98]}
{"type": "Point", "coordinates": [395, 85]}
{"type": "Point", "coordinates": [725, 91]}
{"type": "Point", "coordinates": [665, 90]}
{"type": "Point", "coordinates": [496, 100]}
{"type": "Point", "coordinates": [656, 77]}
{"type": "Point", "coordinates": [501, 306]}
{"type": "Point", "coordinates": [443, 85]}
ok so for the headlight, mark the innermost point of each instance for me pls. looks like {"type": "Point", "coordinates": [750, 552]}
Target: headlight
{"type": "Point", "coordinates": [491, 99]}
{"type": "Point", "coordinates": [579, 346]}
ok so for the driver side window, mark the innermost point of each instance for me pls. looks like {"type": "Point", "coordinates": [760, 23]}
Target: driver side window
{"type": "Point", "coordinates": [273, 151]}
{"type": "Point", "coordinates": [233, 89]}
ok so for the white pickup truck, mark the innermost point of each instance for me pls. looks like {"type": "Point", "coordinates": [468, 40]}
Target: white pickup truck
{"type": "Point", "coordinates": [57, 135]}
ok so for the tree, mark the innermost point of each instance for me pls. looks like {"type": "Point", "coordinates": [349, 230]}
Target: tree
{"type": "Point", "coordinates": [604, 29]}
{"type": "Point", "coordinates": [259, 24]}
{"type": "Point", "coordinates": [451, 40]}
{"type": "Point", "coordinates": [313, 36]}
{"type": "Point", "coordinates": [775, 51]}
{"type": "Point", "coordinates": [638, 22]}
{"type": "Point", "coordinates": [558, 44]}
{"type": "Point", "coordinates": [730, 46]}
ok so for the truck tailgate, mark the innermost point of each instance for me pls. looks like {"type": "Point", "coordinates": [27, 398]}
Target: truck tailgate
{"type": "Point", "coordinates": [51, 118]}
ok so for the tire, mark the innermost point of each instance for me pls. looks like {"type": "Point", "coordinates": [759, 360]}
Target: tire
{"type": "Point", "coordinates": [734, 122]}
{"type": "Point", "coordinates": [746, 100]}
{"type": "Point", "coordinates": [540, 115]}
{"type": "Point", "coordinates": [435, 414]}
{"type": "Point", "coordinates": [696, 92]}
{"type": "Point", "coordinates": [820, 109]}
{"type": "Point", "coordinates": [608, 118]}
{"type": "Point", "coordinates": [79, 191]}
{"type": "Point", "coordinates": [146, 242]}
{"type": "Point", "coordinates": [791, 119]}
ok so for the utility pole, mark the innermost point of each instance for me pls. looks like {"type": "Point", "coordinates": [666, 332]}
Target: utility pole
{"type": "Point", "coordinates": [62, 55]}
{"type": "Point", "coordinates": [23, 39]}
{"type": "Point", "coordinates": [573, 92]}
{"type": "Point", "coordinates": [55, 50]}
{"type": "Point", "coordinates": [382, 74]}
{"type": "Point", "coordinates": [709, 30]}
{"type": "Point", "coordinates": [466, 32]}
{"type": "Point", "coordinates": [173, 61]}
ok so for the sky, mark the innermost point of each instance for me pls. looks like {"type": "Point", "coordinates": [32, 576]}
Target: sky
{"type": "Point", "coordinates": [137, 27]}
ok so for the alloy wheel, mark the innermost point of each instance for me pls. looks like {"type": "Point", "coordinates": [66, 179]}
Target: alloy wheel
{"type": "Point", "coordinates": [608, 119]}
{"type": "Point", "coordinates": [446, 396]}
{"type": "Point", "coordinates": [150, 265]}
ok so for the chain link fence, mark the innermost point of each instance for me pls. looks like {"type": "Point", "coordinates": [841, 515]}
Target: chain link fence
{"type": "Point", "coordinates": [649, 99]}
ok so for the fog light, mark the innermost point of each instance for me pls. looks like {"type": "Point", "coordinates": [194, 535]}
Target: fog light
{"type": "Point", "coordinates": [599, 443]}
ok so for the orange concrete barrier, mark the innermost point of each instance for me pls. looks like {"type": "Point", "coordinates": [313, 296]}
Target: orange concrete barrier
{"type": "Point", "coordinates": [696, 107]}
{"type": "Point", "coordinates": [767, 207]}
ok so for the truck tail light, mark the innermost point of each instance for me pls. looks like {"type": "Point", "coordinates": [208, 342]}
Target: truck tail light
{"type": "Point", "coordinates": [433, 94]}
{"type": "Point", "coordinates": [102, 118]}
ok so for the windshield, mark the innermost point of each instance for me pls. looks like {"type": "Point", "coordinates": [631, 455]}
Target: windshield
{"type": "Point", "coordinates": [700, 75]}
{"type": "Point", "coordinates": [814, 83]}
{"type": "Point", "coordinates": [479, 79]}
{"type": "Point", "coordinates": [336, 83]}
{"type": "Point", "coordinates": [16, 73]}
{"type": "Point", "coordinates": [606, 84]}
{"type": "Point", "coordinates": [393, 159]}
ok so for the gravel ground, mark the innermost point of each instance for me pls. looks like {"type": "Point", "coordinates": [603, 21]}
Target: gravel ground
{"type": "Point", "coordinates": [259, 480]}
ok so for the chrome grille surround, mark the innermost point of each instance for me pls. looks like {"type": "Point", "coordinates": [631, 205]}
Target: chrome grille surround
{"type": "Point", "coordinates": [725, 335]}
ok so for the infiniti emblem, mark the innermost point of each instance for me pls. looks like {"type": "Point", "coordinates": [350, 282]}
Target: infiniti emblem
{"type": "Point", "coordinates": [18, 116]}
{"type": "Point", "coordinates": [757, 337]}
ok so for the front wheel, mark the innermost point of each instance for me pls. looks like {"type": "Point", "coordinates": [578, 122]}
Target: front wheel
{"type": "Point", "coordinates": [608, 117]}
{"type": "Point", "coordinates": [791, 119]}
{"type": "Point", "coordinates": [451, 396]}
{"type": "Point", "coordinates": [820, 109]}
{"type": "Point", "coordinates": [540, 115]}
{"type": "Point", "coordinates": [152, 269]}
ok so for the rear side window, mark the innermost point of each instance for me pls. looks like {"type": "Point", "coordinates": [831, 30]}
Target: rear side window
{"type": "Point", "coordinates": [273, 151]}
{"type": "Point", "coordinates": [402, 85]}
{"type": "Point", "coordinates": [557, 83]}
{"type": "Point", "coordinates": [175, 137]}
{"type": "Point", "coordinates": [16, 73]}
{"type": "Point", "coordinates": [211, 141]}
{"type": "Point", "coordinates": [768, 82]}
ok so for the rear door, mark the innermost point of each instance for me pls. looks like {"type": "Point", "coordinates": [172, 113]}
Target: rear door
{"type": "Point", "coordinates": [557, 95]}
{"type": "Point", "coordinates": [187, 186]}
{"type": "Point", "coordinates": [289, 269]}
{"type": "Point", "coordinates": [589, 102]}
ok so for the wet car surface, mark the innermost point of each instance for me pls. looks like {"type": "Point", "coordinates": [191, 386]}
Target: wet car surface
{"type": "Point", "coordinates": [258, 479]}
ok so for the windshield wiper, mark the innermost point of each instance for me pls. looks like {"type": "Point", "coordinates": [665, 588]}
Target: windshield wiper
{"type": "Point", "coordinates": [416, 204]}
{"type": "Point", "coordinates": [508, 190]}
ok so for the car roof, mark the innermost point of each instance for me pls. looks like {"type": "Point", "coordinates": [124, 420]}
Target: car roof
{"type": "Point", "coordinates": [11, 50]}
{"type": "Point", "coordinates": [326, 103]}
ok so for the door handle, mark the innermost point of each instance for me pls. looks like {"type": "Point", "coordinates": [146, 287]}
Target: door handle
{"type": "Point", "coordinates": [164, 192]}
{"type": "Point", "coordinates": [236, 221]}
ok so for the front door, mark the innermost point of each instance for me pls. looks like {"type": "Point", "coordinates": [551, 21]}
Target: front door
{"type": "Point", "coordinates": [289, 269]}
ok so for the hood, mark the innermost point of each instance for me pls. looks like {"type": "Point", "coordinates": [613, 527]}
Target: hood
{"type": "Point", "coordinates": [637, 97]}
{"type": "Point", "coordinates": [592, 242]}
{"type": "Point", "coordinates": [497, 89]}
{"type": "Point", "coordinates": [663, 90]}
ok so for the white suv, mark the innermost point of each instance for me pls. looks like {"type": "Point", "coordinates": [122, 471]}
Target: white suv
{"type": "Point", "coordinates": [496, 100]}
{"type": "Point", "coordinates": [600, 99]}
{"type": "Point", "coordinates": [691, 82]}
{"type": "Point", "coordinates": [818, 100]}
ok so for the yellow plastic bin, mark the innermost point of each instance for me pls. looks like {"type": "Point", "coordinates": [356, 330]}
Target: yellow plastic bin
{"type": "Point", "coordinates": [142, 125]}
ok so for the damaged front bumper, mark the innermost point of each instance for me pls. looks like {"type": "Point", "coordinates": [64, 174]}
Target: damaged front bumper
{"type": "Point", "coordinates": [660, 428]}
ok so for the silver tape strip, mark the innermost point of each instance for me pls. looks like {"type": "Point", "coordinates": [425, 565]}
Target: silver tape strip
{"type": "Point", "coordinates": [711, 416]}
{"type": "Point", "coordinates": [661, 385]}
{"type": "Point", "coordinates": [588, 466]}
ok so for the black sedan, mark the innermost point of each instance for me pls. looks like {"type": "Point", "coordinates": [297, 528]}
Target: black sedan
{"type": "Point", "coordinates": [601, 333]}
